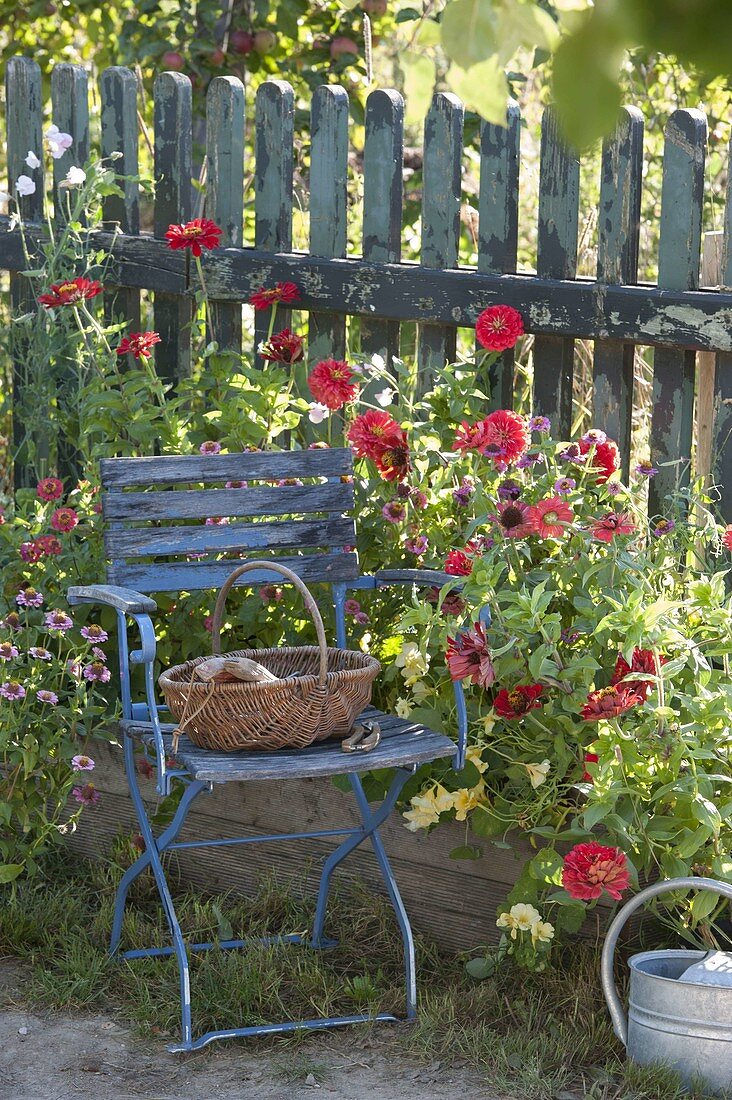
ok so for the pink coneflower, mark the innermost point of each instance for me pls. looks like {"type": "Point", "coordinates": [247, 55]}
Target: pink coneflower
{"type": "Point", "coordinates": [29, 597]}
{"type": "Point", "coordinates": [417, 545]}
{"type": "Point", "coordinates": [96, 670]}
{"type": "Point", "coordinates": [210, 447]}
{"type": "Point", "coordinates": [94, 633]}
{"type": "Point", "coordinates": [64, 520]}
{"type": "Point", "coordinates": [82, 763]}
{"type": "Point", "coordinates": [87, 796]}
{"type": "Point", "coordinates": [45, 696]}
{"type": "Point", "coordinates": [394, 511]}
{"type": "Point", "coordinates": [8, 651]}
{"type": "Point", "coordinates": [11, 689]}
{"type": "Point", "coordinates": [40, 653]}
{"type": "Point", "coordinates": [514, 520]}
{"type": "Point", "coordinates": [50, 488]}
{"type": "Point", "coordinates": [58, 621]}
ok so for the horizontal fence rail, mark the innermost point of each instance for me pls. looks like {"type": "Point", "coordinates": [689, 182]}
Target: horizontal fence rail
{"type": "Point", "coordinates": [675, 317]}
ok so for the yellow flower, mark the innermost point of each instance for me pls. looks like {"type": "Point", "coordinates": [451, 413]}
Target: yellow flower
{"type": "Point", "coordinates": [403, 708]}
{"type": "Point", "coordinates": [422, 814]}
{"type": "Point", "coordinates": [420, 690]}
{"type": "Point", "coordinates": [466, 800]}
{"type": "Point", "coordinates": [506, 921]}
{"type": "Point", "coordinates": [473, 757]}
{"type": "Point", "coordinates": [365, 642]}
{"type": "Point", "coordinates": [412, 662]}
{"type": "Point", "coordinates": [524, 916]}
{"type": "Point", "coordinates": [542, 932]}
{"type": "Point", "coordinates": [442, 797]}
{"type": "Point", "coordinates": [488, 723]}
{"type": "Point", "coordinates": [538, 773]}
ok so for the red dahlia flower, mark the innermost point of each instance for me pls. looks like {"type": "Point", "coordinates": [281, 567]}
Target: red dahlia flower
{"type": "Point", "coordinates": [138, 344]}
{"type": "Point", "coordinates": [196, 235]}
{"type": "Point", "coordinates": [550, 517]}
{"type": "Point", "coordinates": [373, 431]}
{"type": "Point", "coordinates": [518, 701]}
{"type": "Point", "coordinates": [612, 524]}
{"type": "Point", "coordinates": [468, 656]}
{"type": "Point", "coordinates": [284, 293]}
{"type": "Point", "coordinates": [499, 327]}
{"type": "Point", "coordinates": [283, 347]}
{"type": "Point", "coordinates": [514, 520]}
{"type": "Point", "coordinates": [606, 458]}
{"type": "Point", "coordinates": [505, 435]}
{"type": "Point", "coordinates": [727, 537]}
{"type": "Point", "coordinates": [643, 660]}
{"type": "Point", "coordinates": [50, 488]}
{"type": "Point", "coordinates": [591, 868]}
{"type": "Point", "coordinates": [609, 702]}
{"type": "Point", "coordinates": [330, 383]}
{"type": "Point", "coordinates": [71, 292]}
{"type": "Point", "coordinates": [64, 519]}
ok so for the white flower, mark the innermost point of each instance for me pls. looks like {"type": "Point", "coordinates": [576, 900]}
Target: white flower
{"type": "Point", "coordinates": [403, 708]}
{"type": "Point", "coordinates": [74, 177]}
{"type": "Point", "coordinates": [317, 413]}
{"type": "Point", "coordinates": [384, 397]}
{"type": "Point", "coordinates": [32, 160]}
{"type": "Point", "coordinates": [538, 773]}
{"type": "Point", "coordinates": [378, 361]}
{"type": "Point", "coordinates": [4, 198]}
{"type": "Point", "coordinates": [419, 689]}
{"type": "Point", "coordinates": [58, 141]}
{"type": "Point", "coordinates": [24, 185]}
{"type": "Point", "coordinates": [542, 932]}
{"type": "Point", "coordinates": [523, 917]}
{"type": "Point", "coordinates": [412, 662]}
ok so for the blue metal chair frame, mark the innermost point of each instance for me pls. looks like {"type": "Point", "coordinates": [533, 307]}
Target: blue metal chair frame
{"type": "Point", "coordinates": [133, 605]}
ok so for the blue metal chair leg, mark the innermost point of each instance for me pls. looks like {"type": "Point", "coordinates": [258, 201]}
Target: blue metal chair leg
{"type": "Point", "coordinates": [156, 866]}
{"type": "Point", "coordinates": [168, 837]}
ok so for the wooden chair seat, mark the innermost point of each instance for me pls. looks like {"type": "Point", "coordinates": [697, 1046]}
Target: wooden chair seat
{"type": "Point", "coordinates": [402, 743]}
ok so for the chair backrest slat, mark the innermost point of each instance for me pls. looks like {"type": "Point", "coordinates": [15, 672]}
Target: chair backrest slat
{"type": "Point", "coordinates": [151, 506]}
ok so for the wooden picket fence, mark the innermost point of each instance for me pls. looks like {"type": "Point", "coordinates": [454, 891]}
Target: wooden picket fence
{"type": "Point", "coordinates": [614, 310]}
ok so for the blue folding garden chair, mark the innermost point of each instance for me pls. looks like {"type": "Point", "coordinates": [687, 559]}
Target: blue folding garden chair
{"type": "Point", "coordinates": [153, 546]}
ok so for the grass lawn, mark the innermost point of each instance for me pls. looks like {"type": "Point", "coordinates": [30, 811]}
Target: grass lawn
{"type": "Point", "coordinates": [535, 1037]}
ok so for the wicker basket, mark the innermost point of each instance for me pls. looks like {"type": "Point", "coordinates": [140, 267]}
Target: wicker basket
{"type": "Point", "coordinates": [331, 689]}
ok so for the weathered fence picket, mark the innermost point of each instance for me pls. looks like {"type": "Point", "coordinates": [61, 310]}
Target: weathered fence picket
{"type": "Point", "coordinates": [674, 317]}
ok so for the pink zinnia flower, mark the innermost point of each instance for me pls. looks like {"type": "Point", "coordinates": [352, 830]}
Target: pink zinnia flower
{"type": "Point", "coordinates": [591, 868]}
{"type": "Point", "coordinates": [468, 655]}
{"type": "Point", "coordinates": [40, 653]}
{"type": "Point", "coordinates": [499, 327]}
{"type": "Point", "coordinates": [87, 796]}
{"type": "Point", "coordinates": [417, 545]}
{"type": "Point", "coordinates": [727, 536]}
{"type": "Point", "coordinates": [550, 517]}
{"type": "Point", "coordinates": [330, 383]}
{"type": "Point", "coordinates": [94, 633]}
{"type": "Point", "coordinates": [29, 597]}
{"type": "Point", "coordinates": [49, 545]}
{"type": "Point", "coordinates": [99, 654]}
{"type": "Point", "coordinates": [64, 519]}
{"type": "Point", "coordinates": [11, 689]}
{"type": "Point", "coordinates": [518, 701]}
{"type": "Point", "coordinates": [49, 697]}
{"type": "Point", "coordinates": [394, 511]}
{"type": "Point", "coordinates": [82, 763]}
{"type": "Point", "coordinates": [458, 564]}
{"type": "Point", "coordinates": [96, 670]}
{"type": "Point", "coordinates": [210, 447]}
{"type": "Point", "coordinates": [609, 702]}
{"type": "Point", "coordinates": [30, 552]}
{"type": "Point", "coordinates": [57, 620]}
{"type": "Point", "coordinates": [11, 621]}
{"type": "Point", "coordinates": [612, 524]}
{"type": "Point", "coordinates": [144, 767]}
{"type": "Point", "coordinates": [50, 488]}
{"type": "Point", "coordinates": [8, 651]}
{"type": "Point", "coordinates": [514, 520]}
{"type": "Point", "coordinates": [351, 607]}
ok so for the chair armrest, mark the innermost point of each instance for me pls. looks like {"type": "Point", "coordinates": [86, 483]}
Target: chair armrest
{"type": "Point", "coordinates": [121, 599]}
{"type": "Point", "coordinates": [432, 577]}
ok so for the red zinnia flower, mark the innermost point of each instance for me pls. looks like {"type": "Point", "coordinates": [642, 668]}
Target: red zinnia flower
{"type": "Point", "coordinates": [516, 702]}
{"type": "Point", "coordinates": [64, 519]}
{"type": "Point", "coordinates": [470, 437]}
{"type": "Point", "coordinates": [606, 458]}
{"type": "Point", "coordinates": [197, 234]}
{"type": "Point", "coordinates": [270, 296]}
{"type": "Point", "coordinates": [550, 516]}
{"type": "Point", "coordinates": [330, 383]}
{"type": "Point", "coordinates": [452, 603]}
{"type": "Point", "coordinates": [50, 488]}
{"type": "Point", "coordinates": [66, 294]}
{"type": "Point", "coordinates": [139, 344]}
{"type": "Point", "coordinates": [612, 524]}
{"type": "Point", "coordinates": [283, 347]}
{"type": "Point", "coordinates": [458, 564]}
{"type": "Point", "coordinates": [392, 461]}
{"type": "Point", "coordinates": [727, 537]}
{"type": "Point", "coordinates": [514, 520]}
{"type": "Point", "coordinates": [590, 758]}
{"type": "Point", "coordinates": [505, 436]}
{"type": "Point", "coordinates": [468, 656]}
{"type": "Point", "coordinates": [49, 544]}
{"type": "Point", "coordinates": [643, 660]}
{"type": "Point", "coordinates": [591, 868]}
{"type": "Point", "coordinates": [372, 432]}
{"type": "Point", "coordinates": [609, 702]}
{"type": "Point", "coordinates": [499, 327]}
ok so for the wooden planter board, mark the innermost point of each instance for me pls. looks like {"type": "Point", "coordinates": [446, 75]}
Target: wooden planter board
{"type": "Point", "coordinates": [452, 901]}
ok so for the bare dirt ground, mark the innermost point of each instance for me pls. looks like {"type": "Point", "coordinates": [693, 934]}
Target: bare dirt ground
{"type": "Point", "coordinates": [62, 1057]}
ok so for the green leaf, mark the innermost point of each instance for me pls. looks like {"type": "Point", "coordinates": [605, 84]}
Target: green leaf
{"type": "Point", "coordinates": [225, 930]}
{"type": "Point", "coordinates": [481, 968]}
{"type": "Point", "coordinates": [482, 88]}
{"type": "Point", "coordinates": [466, 851]}
{"type": "Point", "coordinates": [707, 813]}
{"type": "Point", "coordinates": [484, 823]}
{"type": "Point", "coordinates": [469, 31]}
{"type": "Point", "coordinates": [419, 84]}
{"type": "Point", "coordinates": [10, 871]}
{"type": "Point", "coordinates": [523, 24]}
{"type": "Point", "coordinates": [589, 60]}
{"type": "Point", "coordinates": [703, 905]}
{"type": "Point", "coordinates": [546, 866]}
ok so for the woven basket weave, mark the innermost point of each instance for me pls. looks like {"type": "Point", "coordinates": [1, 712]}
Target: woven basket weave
{"type": "Point", "coordinates": [331, 689]}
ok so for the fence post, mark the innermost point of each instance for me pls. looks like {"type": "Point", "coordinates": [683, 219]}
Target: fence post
{"type": "Point", "coordinates": [722, 444]}
{"type": "Point", "coordinates": [24, 100]}
{"type": "Point", "coordinates": [556, 259]}
{"type": "Point", "coordinates": [682, 198]}
{"type": "Point", "coordinates": [498, 227]}
{"type": "Point", "coordinates": [118, 92]}
{"type": "Point", "coordinates": [441, 186]}
{"type": "Point", "coordinates": [70, 106]}
{"type": "Point", "coordinates": [173, 170]}
{"type": "Point", "coordinates": [706, 364]}
{"type": "Point", "coordinates": [617, 262]}
{"type": "Point", "coordinates": [225, 189]}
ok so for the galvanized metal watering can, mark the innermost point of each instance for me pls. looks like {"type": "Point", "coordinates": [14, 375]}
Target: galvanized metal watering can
{"type": "Point", "coordinates": [685, 1025]}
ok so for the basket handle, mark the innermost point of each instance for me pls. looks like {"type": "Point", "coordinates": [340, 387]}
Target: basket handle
{"type": "Point", "coordinates": [614, 1004]}
{"type": "Point", "coordinates": [308, 600]}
